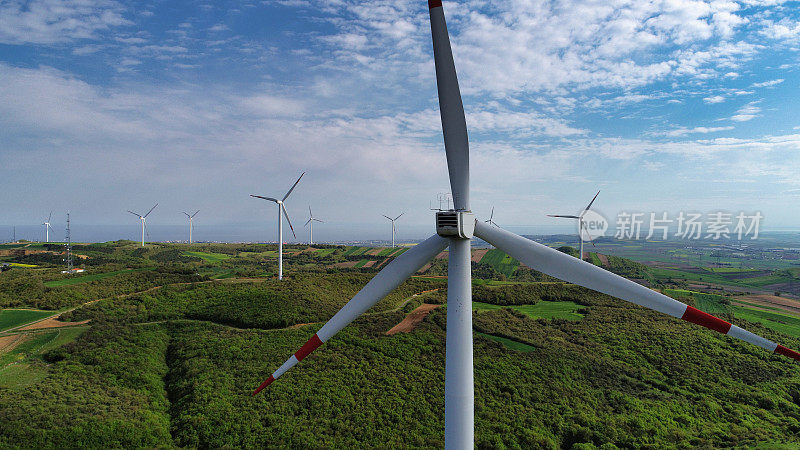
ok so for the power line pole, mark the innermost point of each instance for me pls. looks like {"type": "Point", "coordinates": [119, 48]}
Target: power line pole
{"type": "Point", "coordinates": [69, 248]}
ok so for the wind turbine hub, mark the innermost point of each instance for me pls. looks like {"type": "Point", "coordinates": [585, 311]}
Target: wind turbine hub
{"type": "Point", "coordinates": [455, 224]}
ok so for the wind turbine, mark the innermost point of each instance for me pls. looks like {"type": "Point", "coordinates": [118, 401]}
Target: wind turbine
{"type": "Point", "coordinates": [47, 227]}
{"type": "Point", "coordinates": [454, 228]}
{"type": "Point", "coordinates": [191, 225]}
{"type": "Point", "coordinates": [394, 228]}
{"type": "Point", "coordinates": [581, 225]}
{"type": "Point", "coordinates": [280, 223]}
{"type": "Point", "coordinates": [143, 218]}
{"type": "Point", "coordinates": [310, 225]}
{"type": "Point", "coordinates": [489, 220]}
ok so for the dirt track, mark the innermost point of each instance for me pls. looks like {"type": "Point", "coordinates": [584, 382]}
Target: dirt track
{"type": "Point", "coordinates": [51, 322]}
{"type": "Point", "coordinates": [413, 319]}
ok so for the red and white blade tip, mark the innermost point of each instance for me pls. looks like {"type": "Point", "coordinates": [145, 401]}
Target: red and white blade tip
{"type": "Point", "coordinates": [434, 4]}
{"type": "Point", "coordinates": [311, 345]}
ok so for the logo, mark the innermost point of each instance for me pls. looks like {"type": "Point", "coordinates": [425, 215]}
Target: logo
{"type": "Point", "coordinates": [594, 225]}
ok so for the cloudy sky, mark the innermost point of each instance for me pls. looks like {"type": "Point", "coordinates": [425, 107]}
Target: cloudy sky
{"type": "Point", "coordinates": [663, 105]}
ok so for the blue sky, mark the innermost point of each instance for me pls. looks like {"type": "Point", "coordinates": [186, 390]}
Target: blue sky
{"type": "Point", "coordinates": [665, 106]}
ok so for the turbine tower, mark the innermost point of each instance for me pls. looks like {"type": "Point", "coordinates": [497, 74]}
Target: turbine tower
{"type": "Point", "coordinates": [454, 228]}
{"type": "Point", "coordinates": [47, 227]}
{"type": "Point", "coordinates": [310, 225]}
{"type": "Point", "coordinates": [581, 225]}
{"type": "Point", "coordinates": [281, 207]}
{"type": "Point", "coordinates": [191, 225]}
{"type": "Point", "coordinates": [143, 219]}
{"type": "Point", "coordinates": [394, 228]}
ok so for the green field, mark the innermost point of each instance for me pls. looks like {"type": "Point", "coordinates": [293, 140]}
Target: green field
{"type": "Point", "coordinates": [513, 345]}
{"type": "Point", "coordinates": [69, 281]}
{"type": "Point", "coordinates": [361, 263]}
{"type": "Point", "coordinates": [540, 310]}
{"type": "Point", "coordinates": [208, 257]}
{"type": "Point", "coordinates": [595, 259]}
{"type": "Point", "coordinates": [10, 318]}
{"type": "Point", "coordinates": [28, 266]}
{"type": "Point", "coordinates": [501, 262]}
{"type": "Point", "coordinates": [783, 323]}
{"type": "Point", "coordinates": [324, 252]}
{"type": "Point", "coordinates": [387, 251]}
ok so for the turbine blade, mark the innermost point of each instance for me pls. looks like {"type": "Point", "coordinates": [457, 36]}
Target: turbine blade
{"type": "Point", "coordinates": [137, 215]}
{"type": "Point", "coordinates": [568, 217]}
{"type": "Point", "coordinates": [151, 210]}
{"type": "Point", "coordinates": [399, 216]}
{"type": "Point", "coordinates": [195, 213]}
{"type": "Point", "coordinates": [593, 199]}
{"type": "Point", "coordinates": [310, 214]}
{"type": "Point", "coordinates": [187, 214]}
{"type": "Point", "coordinates": [265, 198]}
{"type": "Point", "coordinates": [491, 215]}
{"type": "Point", "coordinates": [378, 287]}
{"type": "Point", "coordinates": [50, 216]}
{"type": "Point", "coordinates": [454, 125]}
{"type": "Point", "coordinates": [285, 214]}
{"type": "Point", "coordinates": [560, 265]}
{"type": "Point", "coordinates": [290, 190]}
{"type": "Point", "coordinates": [308, 222]}
{"type": "Point", "coordinates": [384, 215]}
{"type": "Point", "coordinates": [146, 231]}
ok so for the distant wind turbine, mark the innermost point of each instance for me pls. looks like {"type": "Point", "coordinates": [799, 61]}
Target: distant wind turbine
{"type": "Point", "coordinates": [490, 221]}
{"type": "Point", "coordinates": [581, 225]}
{"type": "Point", "coordinates": [394, 228]}
{"type": "Point", "coordinates": [47, 227]}
{"type": "Point", "coordinates": [310, 225]}
{"type": "Point", "coordinates": [281, 207]}
{"type": "Point", "coordinates": [143, 218]}
{"type": "Point", "coordinates": [191, 225]}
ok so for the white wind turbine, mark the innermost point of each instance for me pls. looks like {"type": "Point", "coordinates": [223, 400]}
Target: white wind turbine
{"type": "Point", "coordinates": [47, 227]}
{"type": "Point", "coordinates": [143, 219]}
{"type": "Point", "coordinates": [310, 225]}
{"type": "Point", "coordinates": [581, 225]}
{"type": "Point", "coordinates": [394, 228]}
{"type": "Point", "coordinates": [191, 224]}
{"type": "Point", "coordinates": [281, 208]}
{"type": "Point", "coordinates": [489, 220]}
{"type": "Point", "coordinates": [454, 229]}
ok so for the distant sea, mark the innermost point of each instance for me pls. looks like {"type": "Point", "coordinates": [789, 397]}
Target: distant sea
{"type": "Point", "coordinates": [376, 234]}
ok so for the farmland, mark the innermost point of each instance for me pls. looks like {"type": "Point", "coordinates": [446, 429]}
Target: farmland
{"type": "Point", "coordinates": [180, 333]}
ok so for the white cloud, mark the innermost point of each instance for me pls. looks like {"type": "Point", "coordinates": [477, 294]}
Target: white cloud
{"type": "Point", "coordinates": [57, 21]}
{"type": "Point", "coordinates": [714, 99]}
{"type": "Point", "coordinates": [748, 112]}
{"type": "Point", "coordinates": [678, 132]}
{"type": "Point", "coordinates": [767, 83]}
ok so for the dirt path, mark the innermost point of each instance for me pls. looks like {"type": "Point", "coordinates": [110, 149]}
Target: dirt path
{"type": "Point", "coordinates": [413, 319]}
{"type": "Point", "coordinates": [52, 323]}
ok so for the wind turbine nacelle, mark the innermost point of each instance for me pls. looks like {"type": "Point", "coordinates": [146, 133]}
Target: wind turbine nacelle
{"type": "Point", "coordinates": [455, 224]}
